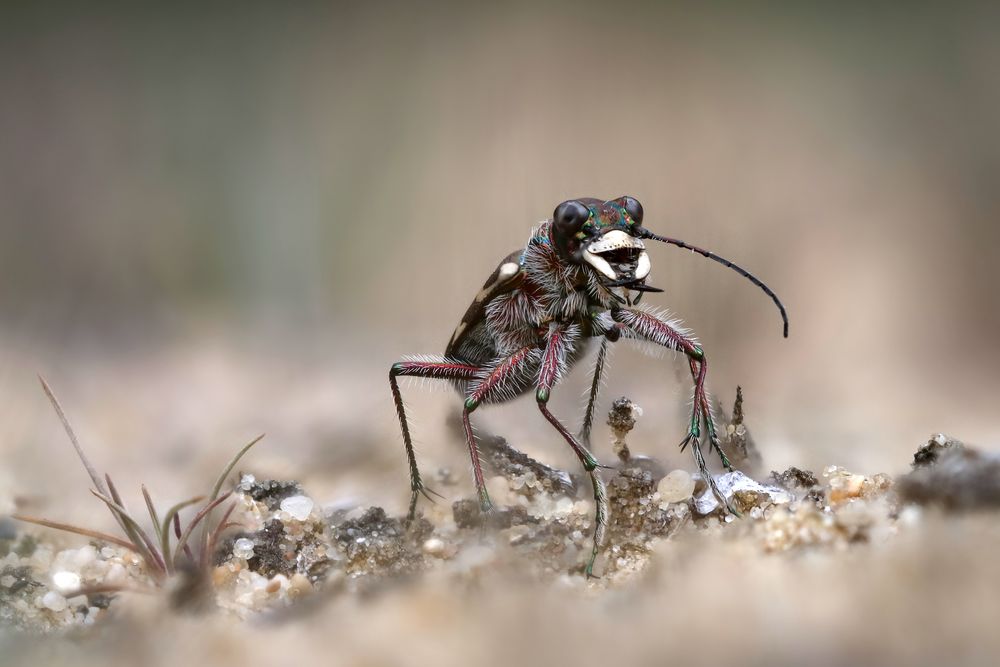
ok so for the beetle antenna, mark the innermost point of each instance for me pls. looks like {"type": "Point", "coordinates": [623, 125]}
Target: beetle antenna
{"type": "Point", "coordinates": [646, 234]}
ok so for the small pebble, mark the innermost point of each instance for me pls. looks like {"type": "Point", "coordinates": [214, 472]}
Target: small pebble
{"type": "Point", "coordinates": [299, 507]}
{"type": "Point", "coordinates": [676, 487]}
{"type": "Point", "coordinates": [437, 547]}
{"type": "Point", "coordinates": [116, 574]}
{"type": "Point", "coordinates": [500, 489]}
{"type": "Point", "coordinates": [243, 548]}
{"type": "Point", "coordinates": [66, 581]}
{"type": "Point", "coordinates": [84, 556]}
{"type": "Point", "coordinates": [299, 585]}
{"type": "Point", "coordinates": [53, 601]}
{"type": "Point", "coordinates": [564, 506]}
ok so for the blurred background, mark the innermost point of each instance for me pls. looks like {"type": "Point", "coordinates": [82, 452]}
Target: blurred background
{"type": "Point", "coordinates": [218, 221]}
{"type": "Point", "coordinates": [221, 221]}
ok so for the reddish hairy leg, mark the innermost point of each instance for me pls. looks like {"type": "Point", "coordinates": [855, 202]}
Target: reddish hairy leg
{"type": "Point", "coordinates": [643, 325]}
{"type": "Point", "coordinates": [423, 369]}
{"type": "Point", "coordinates": [494, 384]}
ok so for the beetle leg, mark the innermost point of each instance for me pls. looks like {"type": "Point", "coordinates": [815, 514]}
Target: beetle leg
{"type": "Point", "coordinates": [493, 383]}
{"type": "Point", "coordinates": [595, 388]}
{"type": "Point", "coordinates": [553, 360]}
{"type": "Point", "coordinates": [647, 326]}
{"type": "Point", "coordinates": [698, 370]}
{"type": "Point", "coordinates": [611, 335]}
{"type": "Point", "coordinates": [423, 369]}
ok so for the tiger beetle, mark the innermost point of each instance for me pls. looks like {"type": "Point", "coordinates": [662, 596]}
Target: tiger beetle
{"type": "Point", "coordinates": [580, 277]}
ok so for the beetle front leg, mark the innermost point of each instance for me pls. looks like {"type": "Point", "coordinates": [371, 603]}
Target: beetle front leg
{"type": "Point", "coordinates": [698, 372]}
{"type": "Point", "coordinates": [553, 360]}
{"type": "Point", "coordinates": [644, 325]}
{"type": "Point", "coordinates": [443, 370]}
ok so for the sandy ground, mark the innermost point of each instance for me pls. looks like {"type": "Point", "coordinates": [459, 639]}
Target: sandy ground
{"type": "Point", "coordinates": [927, 596]}
{"type": "Point", "coordinates": [919, 589]}
{"type": "Point", "coordinates": [221, 223]}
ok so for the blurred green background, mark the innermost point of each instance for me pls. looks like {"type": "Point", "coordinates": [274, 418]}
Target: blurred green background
{"type": "Point", "coordinates": [215, 221]}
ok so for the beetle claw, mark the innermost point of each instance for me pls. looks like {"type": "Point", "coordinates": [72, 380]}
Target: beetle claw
{"type": "Point", "coordinates": [687, 440]}
{"type": "Point", "coordinates": [428, 492]}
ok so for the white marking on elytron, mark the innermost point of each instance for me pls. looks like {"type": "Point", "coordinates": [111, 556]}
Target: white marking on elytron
{"type": "Point", "coordinates": [458, 331]}
{"type": "Point", "coordinates": [614, 240]}
{"type": "Point", "coordinates": [642, 269]}
{"type": "Point", "coordinates": [507, 271]}
{"type": "Point", "coordinates": [600, 264]}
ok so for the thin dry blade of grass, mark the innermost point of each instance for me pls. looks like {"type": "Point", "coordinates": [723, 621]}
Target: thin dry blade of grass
{"type": "Point", "coordinates": [157, 554]}
{"type": "Point", "coordinates": [178, 533]}
{"type": "Point", "coordinates": [97, 589]}
{"type": "Point", "coordinates": [72, 435]}
{"type": "Point", "coordinates": [154, 559]}
{"type": "Point", "coordinates": [129, 525]}
{"type": "Point", "coordinates": [196, 520]}
{"type": "Point", "coordinates": [153, 516]}
{"type": "Point", "coordinates": [222, 480]}
{"type": "Point", "coordinates": [213, 537]}
{"type": "Point", "coordinates": [69, 528]}
{"type": "Point", "coordinates": [232, 464]}
{"type": "Point", "coordinates": [170, 517]}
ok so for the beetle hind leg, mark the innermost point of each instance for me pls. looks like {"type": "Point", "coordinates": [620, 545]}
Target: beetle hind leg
{"type": "Point", "coordinates": [441, 370]}
{"type": "Point", "coordinates": [494, 383]}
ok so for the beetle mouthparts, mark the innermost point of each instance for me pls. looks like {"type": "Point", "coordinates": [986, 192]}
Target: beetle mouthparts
{"type": "Point", "coordinates": [619, 257]}
{"type": "Point", "coordinates": [634, 284]}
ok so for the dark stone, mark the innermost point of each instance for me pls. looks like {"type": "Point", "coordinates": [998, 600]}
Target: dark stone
{"type": "Point", "coordinates": [376, 544]}
{"type": "Point", "coordinates": [22, 579]}
{"type": "Point", "coordinates": [271, 554]}
{"type": "Point", "coordinates": [467, 514]}
{"type": "Point", "coordinates": [271, 492]}
{"type": "Point", "coordinates": [960, 479]}
{"type": "Point", "coordinates": [929, 453]}
{"type": "Point", "coordinates": [795, 478]}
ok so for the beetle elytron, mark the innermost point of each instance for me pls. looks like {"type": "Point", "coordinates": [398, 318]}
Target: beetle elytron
{"type": "Point", "coordinates": [580, 277]}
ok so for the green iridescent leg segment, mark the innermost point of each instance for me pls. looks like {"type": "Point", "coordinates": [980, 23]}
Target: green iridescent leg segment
{"type": "Point", "coordinates": [600, 520]}
{"type": "Point", "coordinates": [713, 438]}
{"type": "Point", "coordinates": [700, 413]}
{"type": "Point", "coordinates": [701, 401]}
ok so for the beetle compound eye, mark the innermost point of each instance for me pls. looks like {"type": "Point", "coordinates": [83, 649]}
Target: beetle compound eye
{"type": "Point", "coordinates": [633, 208]}
{"type": "Point", "coordinates": [569, 217]}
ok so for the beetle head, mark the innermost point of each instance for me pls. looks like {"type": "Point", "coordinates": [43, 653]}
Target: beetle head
{"type": "Point", "coordinates": [602, 235]}
{"type": "Point", "coordinates": [607, 237]}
